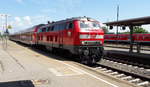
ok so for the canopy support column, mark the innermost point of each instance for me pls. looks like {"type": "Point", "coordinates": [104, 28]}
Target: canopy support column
{"type": "Point", "coordinates": [131, 39]}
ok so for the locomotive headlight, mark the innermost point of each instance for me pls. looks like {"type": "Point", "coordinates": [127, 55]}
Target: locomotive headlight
{"type": "Point", "coordinates": [83, 42]}
{"type": "Point", "coordinates": [99, 36]}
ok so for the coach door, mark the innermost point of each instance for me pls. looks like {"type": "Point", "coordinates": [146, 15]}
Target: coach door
{"type": "Point", "coordinates": [38, 35]}
{"type": "Point", "coordinates": [62, 27]}
{"type": "Point", "coordinates": [68, 34]}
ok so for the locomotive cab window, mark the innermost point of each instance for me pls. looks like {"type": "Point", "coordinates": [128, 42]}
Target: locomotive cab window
{"type": "Point", "coordinates": [89, 25]}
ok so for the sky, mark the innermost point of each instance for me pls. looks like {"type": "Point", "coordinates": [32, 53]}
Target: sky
{"type": "Point", "coordinates": [26, 13]}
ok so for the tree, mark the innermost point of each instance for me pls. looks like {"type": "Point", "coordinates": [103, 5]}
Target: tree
{"type": "Point", "coordinates": [9, 27]}
{"type": "Point", "coordinates": [105, 29]}
{"type": "Point", "coordinates": [138, 29]}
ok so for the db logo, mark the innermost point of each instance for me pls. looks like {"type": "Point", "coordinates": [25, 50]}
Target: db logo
{"type": "Point", "coordinates": [69, 33]}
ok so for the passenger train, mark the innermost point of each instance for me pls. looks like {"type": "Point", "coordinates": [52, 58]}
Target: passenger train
{"type": "Point", "coordinates": [82, 36]}
{"type": "Point", "coordinates": [125, 38]}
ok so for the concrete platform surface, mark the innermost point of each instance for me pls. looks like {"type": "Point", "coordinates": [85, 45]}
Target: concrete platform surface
{"type": "Point", "coordinates": [142, 52]}
{"type": "Point", "coordinates": [21, 66]}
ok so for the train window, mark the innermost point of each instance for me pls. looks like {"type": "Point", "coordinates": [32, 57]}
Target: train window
{"type": "Point", "coordinates": [52, 28]}
{"type": "Point", "coordinates": [62, 26]}
{"type": "Point", "coordinates": [59, 27]}
{"type": "Point", "coordinates": [88, 24]}
{"type": "Point", "coordinates": [48, 29]}
{"type": "Point", "coordinates": [70, 25]}
{"type": "Point", "coordinates": [43, 29]}
{"type": "Point", "coordinates": [56, 27]}
{"type": "Point", "coordinates": [40, 30]}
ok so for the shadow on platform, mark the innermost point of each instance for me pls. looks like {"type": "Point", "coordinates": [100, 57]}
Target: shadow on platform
{"type": "Point", "coordinates": [23, 83]}
{"type": "Point", "coordinates": [57, 55]}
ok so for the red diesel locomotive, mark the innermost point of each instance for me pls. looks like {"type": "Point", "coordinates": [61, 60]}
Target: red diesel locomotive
{"type": "Point", "coordinates": [82, 36]}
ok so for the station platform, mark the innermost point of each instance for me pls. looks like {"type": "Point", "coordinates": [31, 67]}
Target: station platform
{"type": "Point", "coordinates": [21, 66]}
{"type": "Point", "coordinates": [144, 56]}
{"type": "Point", "coordinates": [125, 48]}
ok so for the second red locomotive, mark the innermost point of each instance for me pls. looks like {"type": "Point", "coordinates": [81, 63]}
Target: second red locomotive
{"type": "Point", "coordinates": [82, 36]}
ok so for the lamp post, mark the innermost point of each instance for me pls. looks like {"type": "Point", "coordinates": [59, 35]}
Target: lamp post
{"type": "Point", "coordinates": [1, 22]}
{"type": "Point", "coordinates": [6, 22]}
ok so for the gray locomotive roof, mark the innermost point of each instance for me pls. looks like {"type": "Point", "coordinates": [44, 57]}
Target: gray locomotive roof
{"type": "Point", "coordinates": [74, 18]}
{"type": "Point", "coordinates": [69, 19]}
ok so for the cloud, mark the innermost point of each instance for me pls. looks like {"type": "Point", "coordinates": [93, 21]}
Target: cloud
{"type": "Point", "coordinates": [147, 27]}
{"type": "Point", "coordinates": [18, 21]}
{"type": "Point", "coordinates": [27, 20]}
{"type": "Point", "coordinates": [21, 23]}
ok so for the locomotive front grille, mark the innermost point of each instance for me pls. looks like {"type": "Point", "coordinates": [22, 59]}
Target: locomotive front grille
{"type": "Point", "coordinates": [91, 43]}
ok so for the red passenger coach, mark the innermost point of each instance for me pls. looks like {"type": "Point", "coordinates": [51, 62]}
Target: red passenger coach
{"type": "Point", "coordinates": [110, 37]}
{"type": "Point", "coordinates": [143, 39]}
{"type": "Point", "coordinates": [81, 36]}
{"type": "Point", "coordinates": [27, 36]}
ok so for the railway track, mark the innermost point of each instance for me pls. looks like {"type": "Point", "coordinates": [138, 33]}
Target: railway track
{"type": "Point", "coordinates": [133, 74]}
{"type": "Point", "coordinates": [135, 59]}
{"type": "Point", "coordinates": [131, 63]}
{"type": "Point", "coordinates": [134, 69]}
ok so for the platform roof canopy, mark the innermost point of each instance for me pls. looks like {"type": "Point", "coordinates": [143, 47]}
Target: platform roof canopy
{"type": "Point", "coordinates": [130, 22]}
